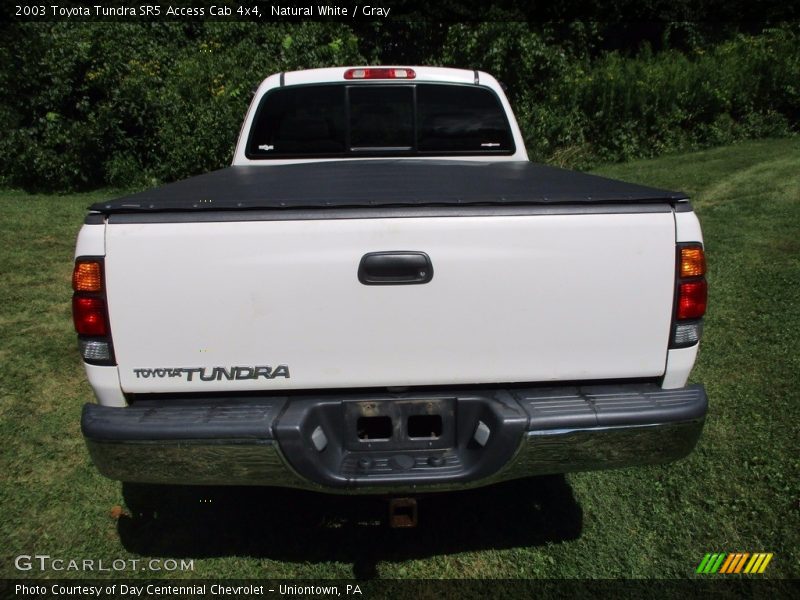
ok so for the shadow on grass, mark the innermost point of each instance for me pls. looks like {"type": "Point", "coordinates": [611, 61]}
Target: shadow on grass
{"type": "Point", "coordinates": [297, 526]}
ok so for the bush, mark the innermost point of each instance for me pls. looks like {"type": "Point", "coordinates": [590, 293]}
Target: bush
{"type": "Point", "coordinates": [94, 104]}
{"type": "Point", "coordinates": [128, 105]}
{"type": "Point", "coordinates": [578, 111]}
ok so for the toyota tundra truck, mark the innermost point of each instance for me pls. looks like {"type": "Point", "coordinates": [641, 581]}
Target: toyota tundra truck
{"type": "Point", "coordinates": [382, 294]}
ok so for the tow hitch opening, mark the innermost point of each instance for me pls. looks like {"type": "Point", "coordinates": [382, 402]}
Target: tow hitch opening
{"type": "Point", "coordinates": [402, 512]}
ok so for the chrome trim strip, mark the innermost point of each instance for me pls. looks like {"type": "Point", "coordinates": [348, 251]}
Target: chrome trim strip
{"type": "Point", "coordinates": [194, 462]}
{"type": "Point", "coordinates": [387, 212]}
{"type": "Point", "coordinates": [247, 462]}
{"type": "Point", "coordinates": [568, 450]}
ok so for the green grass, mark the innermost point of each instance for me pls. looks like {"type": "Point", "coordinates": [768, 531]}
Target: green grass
{"type": "Point", "coordinates": [738, 491]}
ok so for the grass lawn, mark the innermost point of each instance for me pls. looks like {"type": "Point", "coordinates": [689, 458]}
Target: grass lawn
{"type": "Point", "coordinates": [738, 492]}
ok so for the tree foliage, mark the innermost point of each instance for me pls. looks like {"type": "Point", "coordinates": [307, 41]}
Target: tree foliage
{"type": "Point", "coordinates": [94, 104]}
{"type": "Point", "coordinates": [125, 105]}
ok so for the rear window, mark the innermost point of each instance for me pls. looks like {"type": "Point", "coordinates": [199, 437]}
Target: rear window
{"type": "Point", "coordinates": [461, 119]}
{"type": "Point", "coordinates": [337, 120]}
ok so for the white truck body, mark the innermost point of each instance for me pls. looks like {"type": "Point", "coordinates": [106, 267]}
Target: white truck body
{"type": "Point", "coordinates": [284, 292]}
{"type": "Point", "coordinates": [566, 312]}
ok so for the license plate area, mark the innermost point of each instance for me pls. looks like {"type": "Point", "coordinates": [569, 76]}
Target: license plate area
{"type": "Point", "coordinates": [401, 424]}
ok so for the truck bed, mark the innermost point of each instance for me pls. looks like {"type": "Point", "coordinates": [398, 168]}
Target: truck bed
{"type": "Point", "coordinates": [385, 183]}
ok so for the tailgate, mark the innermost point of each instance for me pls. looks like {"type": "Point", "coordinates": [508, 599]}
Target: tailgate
{"type": "Point", "coordinates": [278, 304]}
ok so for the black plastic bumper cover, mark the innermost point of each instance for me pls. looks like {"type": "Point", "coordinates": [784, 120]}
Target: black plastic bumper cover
{"type": "Point", "coordinates": [479, 437]}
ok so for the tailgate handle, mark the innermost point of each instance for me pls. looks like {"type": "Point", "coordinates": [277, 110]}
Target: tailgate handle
{"type": "Point", "coordinates": [395, 268]}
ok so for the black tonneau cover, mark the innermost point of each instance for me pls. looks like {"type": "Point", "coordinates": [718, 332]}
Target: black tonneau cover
{"type": "Point", "coordinates": [381, 183]}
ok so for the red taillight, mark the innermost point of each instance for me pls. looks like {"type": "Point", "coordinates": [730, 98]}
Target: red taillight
{"type": "Point", "coordinates": [380, 73]}
{"type": "Point", "coordinates": [692, 298]}
{"type": "Point", "coordinates": [90, 311]}
{"type": "Point", "coordinates": [89, 316]}
{"type": "Point", "coordinates": [691, 295]}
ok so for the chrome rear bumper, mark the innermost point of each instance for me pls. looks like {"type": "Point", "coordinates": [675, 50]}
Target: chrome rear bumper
{"type": "Point", "coordinates": [272, 441]}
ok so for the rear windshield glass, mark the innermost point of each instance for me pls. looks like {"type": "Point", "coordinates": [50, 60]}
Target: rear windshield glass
{"type": "Point", "coordinates": [379, 120]}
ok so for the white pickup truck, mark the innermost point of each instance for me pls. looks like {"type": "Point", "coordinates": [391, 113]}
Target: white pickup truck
{"type": "Point", "coordinates": [383, 295]}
